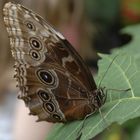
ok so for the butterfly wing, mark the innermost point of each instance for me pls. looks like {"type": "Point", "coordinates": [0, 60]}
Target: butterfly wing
{"type": "Point", "coordinates": [53, 79]}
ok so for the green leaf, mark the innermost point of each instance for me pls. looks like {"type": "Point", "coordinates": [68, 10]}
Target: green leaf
{"type": "Point", "coordinates": [136, 134]}
{"type": "Point", "coordinates": [132, 47]}
{"type": "Point", "coordinates": [119, 107]}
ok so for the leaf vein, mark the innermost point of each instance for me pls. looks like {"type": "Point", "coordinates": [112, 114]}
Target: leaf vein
{"type": "Point", "coordinates": [125, 76]}
{"type": "Point", "coordinates": [104, 117]}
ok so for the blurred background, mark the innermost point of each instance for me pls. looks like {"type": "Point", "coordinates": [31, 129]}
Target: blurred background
{"type": "Point", "coordinates": [91, 26]}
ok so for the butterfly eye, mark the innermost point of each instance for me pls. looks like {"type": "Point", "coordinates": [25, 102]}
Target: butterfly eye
{"type": "Point", "coordinates": [35, 43]}
{"type": "Point", "coordinates": [57, 117]}
{"type": "Point", "coordinates": [49, 107]}
{"type": "Point", "coordinates": [30, 25]}
{"type": "Point", "coordinates": [43, 95]}
{"type": "Point", "coordinates": [35, 55]}
{"type": "Point", "coordinates": [46, 77]}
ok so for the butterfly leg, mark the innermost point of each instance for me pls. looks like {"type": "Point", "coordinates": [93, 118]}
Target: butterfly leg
{"type": "Point", "coordinates": [79, 133]}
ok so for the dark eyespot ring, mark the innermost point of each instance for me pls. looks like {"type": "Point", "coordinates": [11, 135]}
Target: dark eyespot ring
{"type": "Point", "coordinates": [35, 55]}
{"type": "Point", "coordinates": [43, 95]}
{"type": "Point", "coordinates": [46, 77]}
{"type": "Point", "coordinates": [35, 43]}
{"type": "Point", "coordinates": [49, 107]}
{"type": "Point", "coordinates": [56, 117]}
{"type": "Point", "coordinates": [30, 25]}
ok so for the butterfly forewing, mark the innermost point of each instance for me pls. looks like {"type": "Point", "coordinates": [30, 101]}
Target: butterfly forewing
{"type": "Point", "coordinates": [53, 79]}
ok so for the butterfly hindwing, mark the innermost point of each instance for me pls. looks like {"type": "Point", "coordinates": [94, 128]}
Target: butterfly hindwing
{"type": "Point", "coordinates": [50, 73]}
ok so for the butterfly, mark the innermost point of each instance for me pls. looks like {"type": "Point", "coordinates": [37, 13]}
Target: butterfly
{"type": "Point", "coordinates": [54, 81]}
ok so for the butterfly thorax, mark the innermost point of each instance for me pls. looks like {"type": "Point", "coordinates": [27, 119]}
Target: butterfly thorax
{"type": "Point", "coordinates": [97, 98]}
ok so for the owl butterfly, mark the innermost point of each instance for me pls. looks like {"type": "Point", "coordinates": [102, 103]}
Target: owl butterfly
{"type": "Point", "coordinates": [53, 79]}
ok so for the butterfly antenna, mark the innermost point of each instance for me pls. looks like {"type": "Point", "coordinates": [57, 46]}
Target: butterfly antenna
{"type": "Point", "coordinates": [107, 71]}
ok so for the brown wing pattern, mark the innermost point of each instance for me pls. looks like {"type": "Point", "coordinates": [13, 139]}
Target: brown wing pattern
{"type": "Point", "coordinates": [53, 79]}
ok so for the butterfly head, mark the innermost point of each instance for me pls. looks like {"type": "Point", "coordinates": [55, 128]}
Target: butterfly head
{"type": "Point", "coordinates": [98, 98]}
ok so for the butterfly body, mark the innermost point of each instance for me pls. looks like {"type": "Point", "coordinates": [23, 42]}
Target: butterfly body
{"type": "Point", "coordinates": [53, 79]}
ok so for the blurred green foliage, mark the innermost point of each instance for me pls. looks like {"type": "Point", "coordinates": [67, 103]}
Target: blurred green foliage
{"type": "Point", "coordinates": [105, 12]}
